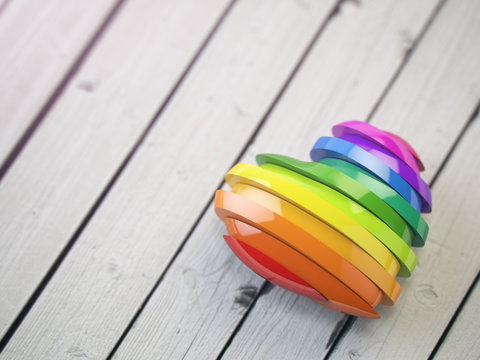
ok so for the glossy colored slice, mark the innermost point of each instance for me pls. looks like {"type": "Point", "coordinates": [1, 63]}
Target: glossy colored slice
{"type": "Point", "coordinates": [387, 194]}
{"type": "Point", "coordinates": [343, 300]}
{"type": "Point", "coordinates": [380, 153]}
{"type": "Point", "coordinates": [380, 137]}
{"type": "Point", "coordinates": [354, 211]}
{"type": "Point", "coordinates": [323, 272]}
{"type": "Point", "coordinates": [326, 235]}
{"type": "Point", "coordinates": [318, 207]}
{"type": "Point", "coordinates": [271, 270]}
{"type": "Point", "coordinates": [407, 146]}
{"type": "Point", "coordinates": [402, 169]}
{"type": "Point", "coordinates": [326, 147]}
{"type": "Point", "coordinates": [347, 186]}
{"type": "Point", "coordinates": [234, 206]}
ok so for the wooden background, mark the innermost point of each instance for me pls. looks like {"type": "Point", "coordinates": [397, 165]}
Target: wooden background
{"type": "Point", "coordinates": [118, 120]}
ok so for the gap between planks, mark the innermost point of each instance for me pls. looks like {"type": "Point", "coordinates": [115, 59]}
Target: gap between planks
{"type": "Point", "coordinates": [20, 127]}
{"type": "Point", "coordinates": [458, 326]}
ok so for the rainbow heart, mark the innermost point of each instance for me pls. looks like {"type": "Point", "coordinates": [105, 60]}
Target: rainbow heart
{"type": "Point", "coordinates": [337, 230]}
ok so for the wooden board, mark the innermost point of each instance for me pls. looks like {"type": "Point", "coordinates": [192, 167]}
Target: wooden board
{"type": "Point", "coordinates": [39, 42]}
{"type": "Point", "coordinates": [106, 216]}
{"type": "Point", "coordinates": [436, 287]}
{"type": "Point", "coordinates": [447, 266]}
{"type": "Point", "coordinates": [440, 86]}
{"type": "Point", "coordinates": [124, 249]}
{"type": "Point", "coordinates": [463, 339]}
{"type": "Point", "coordinates": [105, 108]}
{"type": "Point", "coordinates": [453, 94]}
{"type": "Point", "coordinates": [192, 306]}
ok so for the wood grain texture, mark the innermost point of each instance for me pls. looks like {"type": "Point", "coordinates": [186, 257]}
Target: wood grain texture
{"type": "Point", "coordinates": [151, 209]}
{"type": "Point", "coordinates": [449, 262]}
{"type": "Point", "coordinates": [39, 41]}
{"type": "Point", "coordinates": [348, 62]}
{"type": "Point", "coordinates": [440, 86]}
{"type": "Point", "coordinates": [463, 339]}
{"type": "Point", "coordinates": [68, 162]}
{"type": "Point", "coordinates": [447, 266]}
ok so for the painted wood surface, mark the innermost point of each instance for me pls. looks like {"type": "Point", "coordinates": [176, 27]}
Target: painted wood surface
{"type": "Point", "coordinates": [77, 149]}
{"type": "Point", "coordinates": [447, 92]}
{"type": "Point", "coordinates": [449, 262]}
{"type": "Point", "coordinates": [122, 253]}
{"type": "Point", "coordinates": [106, 215]}
{"type": "Point", "coordinates": [39, 42]}
{"type": "Point", "coordinates": [447, 267]}
{"type": "Point", "coordinates": [322, 93]}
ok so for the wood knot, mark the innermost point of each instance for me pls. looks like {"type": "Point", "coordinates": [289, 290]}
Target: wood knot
{"type": "Point", "coordinates": [426, 295]}
{"type": "Point", "coordinates": [113, 268]}
{"type": "Point", "coordinates": [75, 352]}
{"type": "Point", "coordinates": [246, 296]}
{"type": "Point", "coordinates": [354, 354]}
{"type": "Point", "coordinates": [88, 85]}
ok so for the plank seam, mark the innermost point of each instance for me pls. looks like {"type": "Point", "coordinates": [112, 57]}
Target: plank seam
{"type": "Point", "coordinates": [454, 317]}
{"type": "Point", "coordinates": [159, 280]}
{"type": "Point", "coordinates": [59, 89]}
{"type": "Point", "coordinates": [406, 58]}
{"type": "Point", "coordinates": [349, 320]}
{"type": "Point", "coordinates": [242, 320]}
{"type": "Point", "coordinates": [91, 212]}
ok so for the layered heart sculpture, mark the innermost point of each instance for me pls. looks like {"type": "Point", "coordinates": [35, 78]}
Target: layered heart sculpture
{"type": "Point", "coordinates": [337, 230]}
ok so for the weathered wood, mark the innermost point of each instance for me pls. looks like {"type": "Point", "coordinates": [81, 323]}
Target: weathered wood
{"type": "Point", "coordinates": [64, 167]}
{"type": "Point", "coordinates": [155, 201]}
{"type": "Point", "coordinates": [448, 95]}
{"type": "Point", "coordinates": [463, 339]}
{"type": "Point", "coordinates": [443, 77]}
{"type": "Point", "coordinates": [448, 87]}
{"type": "Point", "coordinates": [185, 315]}
{"type": "Point", "coordinates": [205, 292]}
{"type": "Point", "coordinates": [446, 269]}
{"type": "Point", "coordinates": [39, 41]}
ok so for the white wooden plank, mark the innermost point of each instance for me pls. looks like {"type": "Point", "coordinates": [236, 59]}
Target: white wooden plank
{"type": "Point", "coordinates": [65, 166]}
{"type": "Point", "coordinates": [447, 93]}
{"type": "Point", "coordinates": [39, 41]}
{"type": "Point", "coordinates": [448, 87]}
{"type": "Point", "coordinates": [463, 339]}
{"type": "Point", "coordinates": [448, 264]}
{"type": "Point", "coordinates": [150, 210]}
{"type": "Point", "coordinates": [193, 305]}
